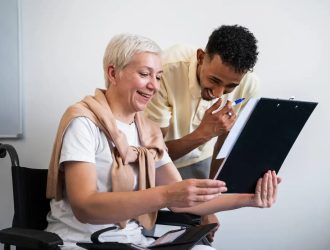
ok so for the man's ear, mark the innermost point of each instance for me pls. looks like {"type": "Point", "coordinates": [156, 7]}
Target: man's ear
{"type": "Point", "coordinates": [111, 74]}
{"type": "Point", "coordinates": [200, 56]}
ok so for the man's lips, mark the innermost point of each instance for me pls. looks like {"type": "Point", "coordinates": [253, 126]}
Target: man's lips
{"type": "Point", "coordinates": [209, 92]}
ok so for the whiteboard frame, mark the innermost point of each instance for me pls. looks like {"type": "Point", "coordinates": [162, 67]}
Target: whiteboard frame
{"type": "Point", "coordinates": [18, 133]}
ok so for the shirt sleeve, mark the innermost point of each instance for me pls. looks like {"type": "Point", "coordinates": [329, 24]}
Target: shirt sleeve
{"type": "Point", "coordinates": [159, 109]}
{"type": "Point", "coordinates": [165, 159]}
{"type": "Point", "coordinates": [79, 141]}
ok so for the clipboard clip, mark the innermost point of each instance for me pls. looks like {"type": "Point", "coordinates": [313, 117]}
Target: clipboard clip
{"type": "Point", "coordinates": [291, 99]}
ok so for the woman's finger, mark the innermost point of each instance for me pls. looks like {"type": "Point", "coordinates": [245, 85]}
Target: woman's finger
{"type": "Point", "coordinates": [275, 185]}
{"type": "Point", "coordinates": [264, 185]}
{"type": "Point", "coordinates": [270, 189]}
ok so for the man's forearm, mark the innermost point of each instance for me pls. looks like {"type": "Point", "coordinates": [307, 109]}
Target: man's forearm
{"type": "Point", "coordinates": [180, 147]}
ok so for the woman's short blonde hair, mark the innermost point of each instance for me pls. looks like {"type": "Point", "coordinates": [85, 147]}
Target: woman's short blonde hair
{"type": "Point", "coordinates": [122, 48]}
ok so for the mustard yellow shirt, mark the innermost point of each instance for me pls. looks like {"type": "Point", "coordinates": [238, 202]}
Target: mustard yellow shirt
{"type": "Point", "coordinates": [178, 104]}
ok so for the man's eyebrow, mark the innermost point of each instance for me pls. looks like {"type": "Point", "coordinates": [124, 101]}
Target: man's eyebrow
{"type": "Point", "coordinates": [217, 79]}
{"type": "Point", "coordinates": [214, 78]}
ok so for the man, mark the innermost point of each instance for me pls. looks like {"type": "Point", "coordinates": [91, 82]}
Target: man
{"type": "Point", "coordinates": [194, 84]}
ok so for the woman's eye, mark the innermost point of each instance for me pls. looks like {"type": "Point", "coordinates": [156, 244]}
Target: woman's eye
{"type": "Point", "coordinates": [158, 78]}
{"type": "Point", "coordinates": [144, 74]}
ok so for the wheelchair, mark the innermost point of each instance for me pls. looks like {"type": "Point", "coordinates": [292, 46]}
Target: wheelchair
{"type": "Point", "coordinates": [31, 208]}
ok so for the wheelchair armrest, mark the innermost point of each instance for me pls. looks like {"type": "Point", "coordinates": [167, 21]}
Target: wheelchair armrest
{"type": "Point", "coordinates": [167, 217]}
{"type": "Point", "coordinates": [30, 238]}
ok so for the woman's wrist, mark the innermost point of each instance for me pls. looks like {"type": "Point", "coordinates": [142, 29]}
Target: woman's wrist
{"type": "Point", "coordinates": [162, 195]}
{"type": "Point", "coordinates": [249, 200]}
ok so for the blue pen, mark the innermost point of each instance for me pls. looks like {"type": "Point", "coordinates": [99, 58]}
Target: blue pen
{"type": "Point", "coordinates": [238, 101]}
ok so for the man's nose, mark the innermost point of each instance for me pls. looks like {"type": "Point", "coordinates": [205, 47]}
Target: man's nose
{"type": "Point", "coordinates": [218, 91]}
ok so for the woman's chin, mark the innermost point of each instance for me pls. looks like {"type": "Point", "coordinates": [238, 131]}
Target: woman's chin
{"type": "Point", "coordinates": [140, 107]}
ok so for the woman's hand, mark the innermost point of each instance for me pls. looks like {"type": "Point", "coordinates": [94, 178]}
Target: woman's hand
{"type": "Point", "coordinates": [266, 190]}
{"type": "Point", "coordinates": [192, 192]}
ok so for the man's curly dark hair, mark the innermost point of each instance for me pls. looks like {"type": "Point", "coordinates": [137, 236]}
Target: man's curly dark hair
{"type": "Point", "coordinates": [236, 46]}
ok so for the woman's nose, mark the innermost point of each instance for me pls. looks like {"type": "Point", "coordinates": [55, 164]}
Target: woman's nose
{"type": "Point", "coordinates": [154, 83]}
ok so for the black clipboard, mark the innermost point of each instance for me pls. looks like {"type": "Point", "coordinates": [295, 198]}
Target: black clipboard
{"type": "Point", "coordinates": [265, 135]}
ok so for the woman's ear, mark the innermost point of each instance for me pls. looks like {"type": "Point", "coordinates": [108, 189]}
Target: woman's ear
{"type": "Point", "coordinates": [112, 74]}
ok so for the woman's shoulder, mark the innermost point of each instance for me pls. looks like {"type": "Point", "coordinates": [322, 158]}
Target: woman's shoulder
{"type": "Point", "coordinates": [83, 126]}
{"type": "Point", "coordinates": [82, 121]}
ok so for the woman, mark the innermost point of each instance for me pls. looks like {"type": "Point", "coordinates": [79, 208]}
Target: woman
{"type": "Point", "coordinates": [110, 167]}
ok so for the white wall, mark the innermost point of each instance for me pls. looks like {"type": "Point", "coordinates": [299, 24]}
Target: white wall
{"type": "Point", "coordinates": [62, 47]}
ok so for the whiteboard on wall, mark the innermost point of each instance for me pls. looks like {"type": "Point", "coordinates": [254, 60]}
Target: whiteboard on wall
{"type": "Point", "coordinates": [10, 73]}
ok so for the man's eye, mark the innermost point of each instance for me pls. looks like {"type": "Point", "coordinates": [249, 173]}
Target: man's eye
{"type": "Point", "coordinates": [232, 87]}
{"type": "Point", "coordinates": [215, 81]}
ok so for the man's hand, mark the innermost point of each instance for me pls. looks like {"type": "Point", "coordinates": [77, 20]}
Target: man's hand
{"type": "Point", "coordinates": [208, 219]}
{"type": "Point", "coordinates": [217, 123]}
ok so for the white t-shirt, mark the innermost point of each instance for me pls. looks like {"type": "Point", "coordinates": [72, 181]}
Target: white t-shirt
{"type": "Point", "coordinates": [83, 141]}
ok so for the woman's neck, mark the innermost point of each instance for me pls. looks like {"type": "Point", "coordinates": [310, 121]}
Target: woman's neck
{"type": "Point", "coordinates": [118, 110]}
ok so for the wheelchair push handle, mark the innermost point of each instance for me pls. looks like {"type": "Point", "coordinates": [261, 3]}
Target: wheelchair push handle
{"type": "Point", "coordinates": [4, 148]}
